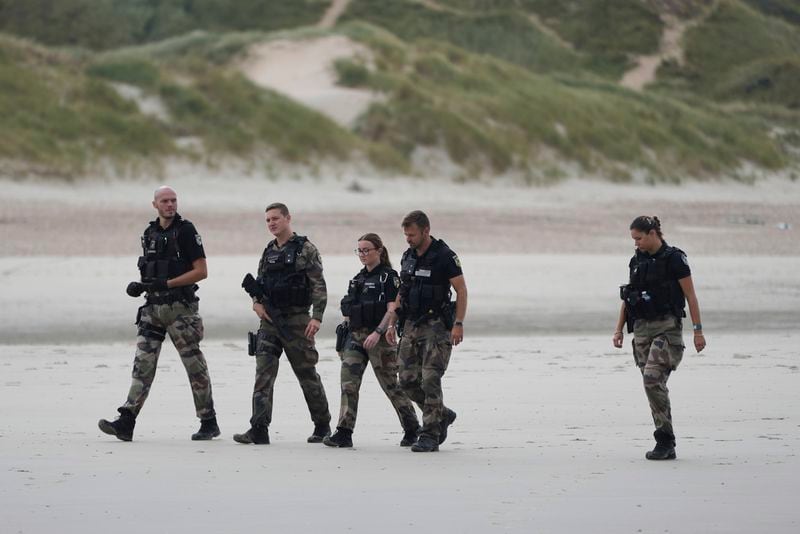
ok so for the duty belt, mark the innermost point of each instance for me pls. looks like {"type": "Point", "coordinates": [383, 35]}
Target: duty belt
{"type": "Point", "coordinates": [170, 298]}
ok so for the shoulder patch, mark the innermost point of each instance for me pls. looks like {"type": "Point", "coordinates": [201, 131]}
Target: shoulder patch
{"type": "Point", "coordinates": [198, 240]}
{"type": "Point", "coordinates": [396, 281]}
{"type": "Point", "coordinates": [684, 259]}
{"type": "Point", "coordinates": [457, 260]}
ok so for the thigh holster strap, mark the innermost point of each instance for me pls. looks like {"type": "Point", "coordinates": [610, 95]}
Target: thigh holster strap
{"type": "Point", "coordinates": [151, 331]}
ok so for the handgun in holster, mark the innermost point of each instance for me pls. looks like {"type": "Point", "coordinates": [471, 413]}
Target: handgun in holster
{"type": "Point", "coordinates": [342, 332]}
{"type": "Point", "coordinates": [252, 343]}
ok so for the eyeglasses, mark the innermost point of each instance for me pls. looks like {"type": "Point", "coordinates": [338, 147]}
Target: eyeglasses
{"type": "Point", "coordinates": [363, 251]}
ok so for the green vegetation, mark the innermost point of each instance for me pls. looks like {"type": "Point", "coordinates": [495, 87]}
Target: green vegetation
{"type": "Point", "coordinates": [57, 121]}
{"type": "Point", "coordinates": [524, 87]}
{"type": "Point", "coordinates": [130, 71]}
{"type": "Point", "coordinates": [606, 31]}
{"type": "Point", "coordinates": [232, 115]}
{"type": "Point", "coordinates": [484, 112]}
{"type": "Point", "coordinates": [773, 81]}
{"type": "Point", "coordinates": [788, 10]}
{"type": "Point", "coordinates": [507, 35]}
{"type": "Point", "coordinates": [106, 24]}
{"type": "Point", "coordinates": [739, 53]}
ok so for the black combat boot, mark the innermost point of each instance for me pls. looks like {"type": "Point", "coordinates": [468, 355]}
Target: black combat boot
{"type": "Point", "coordinates": [122, 428]}
{"type": "Point", "coordinates": [321, 431]}
{"type": "Point", "coordinates": [425, 443]}
{"type": "Point", "coordinates": [256, 436]}
{"type": "Point", "coordinates": [665, 446]}
{"type": "Point", "coordinates": [410, 437]}
{"type": "Point", "coordinates": [447, 419]}
{"type": "Point", "coordinates": [208, 430]}
{"type": "Point", "coordinates": [343, 438]}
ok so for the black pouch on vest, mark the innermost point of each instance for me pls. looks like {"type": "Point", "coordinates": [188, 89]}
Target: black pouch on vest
{"type": "Point", "coordinates": [356, 316]}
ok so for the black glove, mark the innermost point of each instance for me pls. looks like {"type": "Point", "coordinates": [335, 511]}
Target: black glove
{"type": "Point", "coordinates": [134, 289]}
{"type": "Point", "coordinates": [159, 284]}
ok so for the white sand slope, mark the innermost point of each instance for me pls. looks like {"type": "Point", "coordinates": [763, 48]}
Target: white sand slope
{"type": "Point", "coordinates": [303, 70]}
{"type": "Point", "coordinates": [333, 13]}
{"type": "Point", "coordinates": [670, 48]}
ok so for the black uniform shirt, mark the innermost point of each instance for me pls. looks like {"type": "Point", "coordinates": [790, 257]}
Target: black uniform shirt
{"type": "Point", "coordinates": [446, 265]}
{"type": "Point", "coordinates": [677, 263]}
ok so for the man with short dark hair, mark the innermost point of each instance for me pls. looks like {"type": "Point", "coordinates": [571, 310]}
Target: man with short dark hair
{"type": "Point", "coordinates": [431, 324]}
{"type": "Point", "coordinates": [291, 281]}
{"type": "Point", "coordinates": [172, 263]}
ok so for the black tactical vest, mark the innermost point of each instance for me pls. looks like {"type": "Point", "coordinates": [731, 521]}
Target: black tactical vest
{"type": "Point", "coordinates": [284, 284]}
{"type": "Point", "coordinates": [365, 302]}
{"type": "Point", "coordinates": [651, 293]}
{"type": "Point", "coordinates": [423, 290]}
{"type": "Point", "coordinates": [161, 256]}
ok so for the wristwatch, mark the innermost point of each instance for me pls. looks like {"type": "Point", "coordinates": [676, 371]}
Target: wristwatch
{"type": "Point", "coordinates": [458, 323]}
{"type": "Point", "coordinates": [697, 326]}
{"type": "Point", "coordinates": [380, 330]}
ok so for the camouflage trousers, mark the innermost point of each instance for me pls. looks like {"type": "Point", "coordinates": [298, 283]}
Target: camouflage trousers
{"type": "Point", "coordinates": [658, 350]}
{"type": "Point", "coordinates": [424, 354]}
{"type": "Point", "coordinates": [383, 358]}
{"type": "Point", "coordinates": [303, 358]}
{"type": "Point", "coordinates": [185, 327]}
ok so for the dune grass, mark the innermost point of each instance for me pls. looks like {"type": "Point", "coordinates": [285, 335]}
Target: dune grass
{"type": "Point", "coordinates": [61, 117]}
{"type": "Point", "coordinates": [488, 113]}
{"type": "Point", "coordinates": [604, 32]}
{"type": "Point", "coordinates": [107, 24]}
{"type": "Point", "coordinates": [459, 78]}
{"type": "Point", "coordinates": [788, 10]}
{"type": "Point", "coordinates": [505, 34]}
{"type": "Point", "coordinates": [58, 121]}
{"type": "Point", "coordinates": [739, 53]}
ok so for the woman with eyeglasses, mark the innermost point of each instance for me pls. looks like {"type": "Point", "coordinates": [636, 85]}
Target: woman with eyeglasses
{"type": "Point", "coordinates": [659, 288]}
{"type": "Point", "coordinates": [372, 292]}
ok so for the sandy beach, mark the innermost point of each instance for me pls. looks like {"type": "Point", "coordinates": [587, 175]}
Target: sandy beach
{"type": "Point", "coordinates": [550, 437]}
{"type": "Point", "coordinates": [552, 420]}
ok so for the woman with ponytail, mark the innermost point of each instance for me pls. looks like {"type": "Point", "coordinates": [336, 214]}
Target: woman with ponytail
{"type": "Point", "coordinates": [372, 292]}
{"type": "Point", "coordinates": [654, 300]}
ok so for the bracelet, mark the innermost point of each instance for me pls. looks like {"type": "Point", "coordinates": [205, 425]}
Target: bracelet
{"type": "Point", "coordinates": [617, 332]}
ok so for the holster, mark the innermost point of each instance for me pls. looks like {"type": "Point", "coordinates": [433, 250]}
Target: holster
{"type": "Point", "coordinates": [139, 314]}
{"type": "Point", "coordinates": [342, 331]}
{"type": "Point", "coordinates": [631, 299]}
{"type": "Point", "coordinates": [252, 343]}
{"type": "Point", "coordinates": [449, 315]}
{"type": "Point", "coordinates": [401, 321]}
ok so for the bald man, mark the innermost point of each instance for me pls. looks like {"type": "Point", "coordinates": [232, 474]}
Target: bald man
{"type": "Point", "coordinates": [173, 261]}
